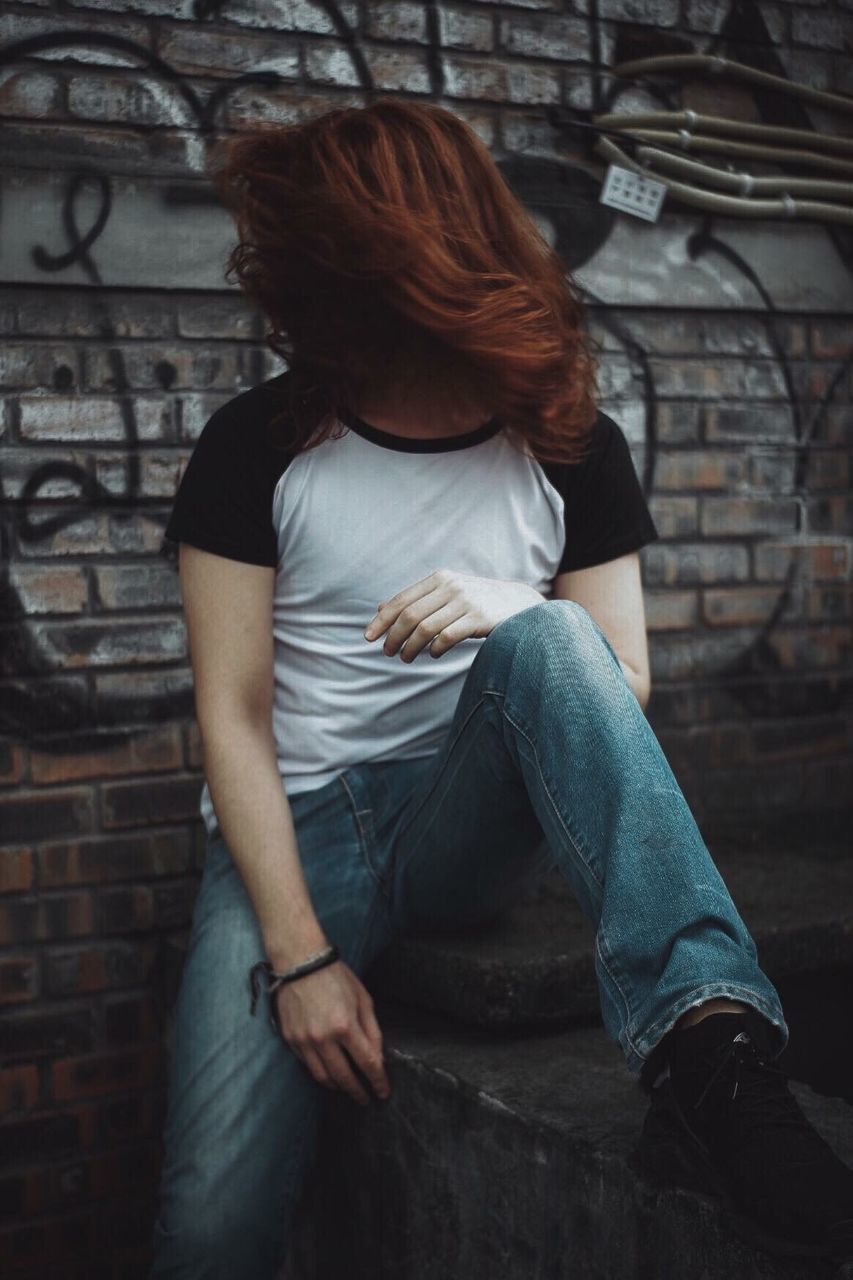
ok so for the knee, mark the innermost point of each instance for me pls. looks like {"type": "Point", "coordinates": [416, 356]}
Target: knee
{"type": "Point", "coordinates": [556, 631]}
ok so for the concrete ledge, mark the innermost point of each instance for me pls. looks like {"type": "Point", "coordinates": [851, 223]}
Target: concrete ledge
{"type": "Point", "coordinates": [534, 966]}
{"type": "Point", "coordinates": [505, 1157]}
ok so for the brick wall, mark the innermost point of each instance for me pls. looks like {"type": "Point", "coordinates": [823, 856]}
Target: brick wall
{"type": "Point", "coordinates": [119, 340]}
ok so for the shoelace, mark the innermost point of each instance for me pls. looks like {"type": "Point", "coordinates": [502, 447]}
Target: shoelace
{"type": "Point", "coordinates": [776, 1104]}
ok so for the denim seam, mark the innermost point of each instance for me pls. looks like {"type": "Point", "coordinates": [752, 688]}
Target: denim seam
{"type": "Point", "coordinates": [450, 748]}
{"type": "Point", "coordinates": [496, 693]}
{"type": "Point", "coordinates": [358, 814]}
{"type": "Point", "coordinates": [709, 991]}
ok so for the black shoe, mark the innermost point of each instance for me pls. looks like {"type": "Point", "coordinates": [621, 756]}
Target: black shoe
{"type": "Point", "coordinates": [726, 1124]}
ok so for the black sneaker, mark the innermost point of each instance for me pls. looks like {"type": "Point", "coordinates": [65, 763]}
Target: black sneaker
{"type": "Point", "coordinates": [725, 1123]}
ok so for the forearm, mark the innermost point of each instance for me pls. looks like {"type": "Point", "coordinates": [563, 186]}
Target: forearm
{"type": "Point", "coordinates": [256, 821]}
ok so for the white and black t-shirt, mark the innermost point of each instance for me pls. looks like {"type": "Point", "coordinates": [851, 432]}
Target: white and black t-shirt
{"type": "Point", "coordinates": [354, 520]}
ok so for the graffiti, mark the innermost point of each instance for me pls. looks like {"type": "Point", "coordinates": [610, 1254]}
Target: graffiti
{"type": "Point", "coordinates": [562, 194]}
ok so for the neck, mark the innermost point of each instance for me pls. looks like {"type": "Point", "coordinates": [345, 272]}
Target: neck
{"type": "Point", "coordinates": [418, 419]}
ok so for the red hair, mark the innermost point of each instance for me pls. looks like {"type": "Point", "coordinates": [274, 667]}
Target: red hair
{"type": "Point", "coordinates": [383, 241]}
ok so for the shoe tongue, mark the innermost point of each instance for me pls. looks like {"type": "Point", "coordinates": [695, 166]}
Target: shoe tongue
{"type": "Point", "coordinates": [717, 1028]}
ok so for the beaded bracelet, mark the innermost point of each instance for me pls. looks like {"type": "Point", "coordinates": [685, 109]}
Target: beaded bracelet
{"type": "Point", "coordinates": [275, 980]}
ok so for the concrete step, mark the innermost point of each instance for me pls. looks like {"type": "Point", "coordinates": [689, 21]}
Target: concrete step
{"type": "Point", "coordinates": [505, 1156]}
{"type": "Point", "coordinates": [534, 966]}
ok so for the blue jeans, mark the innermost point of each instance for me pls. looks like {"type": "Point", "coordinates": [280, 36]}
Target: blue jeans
{"type": "Point", "coordinates": [549, 759]}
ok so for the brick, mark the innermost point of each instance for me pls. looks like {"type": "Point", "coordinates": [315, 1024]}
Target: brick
{"type": "Point", "coordinates": [12, 762]}
{"type": "Point", "coordinates": [132, 1116]}
{"type": "Point", "coordinates": [44, 366]}
{"type": "Point", "coordinates": [478, 78]}
{"type": "Point", "coordinates": [131, 533]}
{"type": "Point", "coordinates": [29, 477]}
{"type": "Point", "coordinates": [193, 746]}
{"type": "Point", "coordinates": [773, 469]}
{"type": "Point", "coordinates": [128, 908]}
{"type": "Point", "coordinates": [459, 30]}
{"type": "Point", "coordinates": [169, 367]}
{"type": "Point", "coordinates": [398, 21]}
{"type": "Point", "coordinates": [830, 514]}
{"type": "Point", "coordinates": [98, 967]}
{"type": "Point", "coordinates": [100, 860]}
{"type": "Point", "coordinates": [19, 979]}
{"type": "Point", "coordinates": [829, 784]}
{"type": "Point", "coordinates": [29, 93]}
{"type": "Point", "coordinates": [133, 804]}
{"type": "Point", "coordinates": [37, 815]}
{"type": "Point", "coordinates": [809, 67]}
{"type": "Point", "coordinates": [752, 379]}
{"type": "Point", "coordinates": [142, 696]}
{"type": "Point", "coordinates": [50, 588]}
{"type": "Point", "coordinates": [675, 517]}
{"type": "Point", "coordinates": [18, 26]}
{"type": "Point", "coordinates": [152, 8]}
{"type": "Point", "coordinates": [54, 916]}
{"type": "Point", "coordinates": [690, 657]}
{"type": "Point", "coordinates": [688, 469]}
{"type": "Point", "coordinates": [398, 69]}
{"type": "Point", "coordinates": [49, 702]}
{"type": "Point", "coordinates": [544, 36]}
{"type": "Point", "coordinates": [720, 746]}
{"type": "Point", "coordinates": [104, 1073]}
{"type": "Point", "coordinates": [131, 1020]}
{"type": "Point", "coordinates": [19, 1089]}
{"type": "Point", "coordinates": [737, 790]}
{"type": "Point", "coordinates": [815, 561]}
{"type": "Point", "coordinates": [828, 603]}
{"type": "Point", "coordinates": [16, 870]}
{"type": "Point", "coordinates": [678, 422]}
{"type": "Point", "coordinates": [170, 152]}
{"type": "Point", "coordinates": [828, 469]}
{"type": "Point", "coordinates": [46, 1032]}
{"type": "Point", "coordinates": [800, 737]}
{"type": "Point", "coordinates": [725, 423]}
{"type": "Point", "coordinates": [738, 606]}
{"type": "Point", "coordinates": [821, 30]}
{"type": "Point", "coordinates": [694, 563]}
{"type": "Point", "coordinates": [72, 313]}
{"type": "Point", "coordinates": [71, 759]}
{"type": "Point", "coordinates": [671, 610]}
{"type": "Point", "coordinates": [218, 317]}
{"type": "Point", "coordinates": [832, 339]}
{"type": "Point", "coordinates": [148, 102]}
{"type": "Point", "coordinates": [135, 586]}
{"type": "Point", "coordinates": [53, 1134]}
{"type": "Point", "coordinates": [93, 418]}
{"type": "Point", "coordinates": [110, 643]}
{"type": "Point", "coordinates": [297, 15]}
{"type": "Point", "coordinates": [748, 515]}
{"type": "Point", "coordinates": [821, 646]}
{"type": "Point", "coordinates": [193, 50]}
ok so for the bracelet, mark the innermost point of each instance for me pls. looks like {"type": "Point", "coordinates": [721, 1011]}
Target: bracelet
{"type": "Point", "coordinates": [275, 980]}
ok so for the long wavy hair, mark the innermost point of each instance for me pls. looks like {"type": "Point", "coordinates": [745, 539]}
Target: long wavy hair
{"type": "Point", "coordinates": [386, 249]}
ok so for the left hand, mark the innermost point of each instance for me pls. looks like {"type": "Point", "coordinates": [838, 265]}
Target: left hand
{"type": "Point", "coordinates": [443, 609]}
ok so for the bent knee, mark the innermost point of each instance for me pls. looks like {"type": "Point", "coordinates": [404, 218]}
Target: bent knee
{"type": "Point", "coordinates": [561, 629]}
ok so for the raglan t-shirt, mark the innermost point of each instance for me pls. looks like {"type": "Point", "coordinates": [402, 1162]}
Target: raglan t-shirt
{"type": "Point", "coordinates": [359, 517]}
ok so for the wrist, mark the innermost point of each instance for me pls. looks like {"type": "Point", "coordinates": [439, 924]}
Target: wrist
{"type": "Point", "coordinates": [283, 955]}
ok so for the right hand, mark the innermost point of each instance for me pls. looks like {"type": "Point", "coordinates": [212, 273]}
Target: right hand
{"type": "Point", "coordinates": [326, 1015]}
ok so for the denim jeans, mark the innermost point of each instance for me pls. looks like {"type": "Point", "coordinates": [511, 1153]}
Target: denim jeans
{"type": "Point", "coordinates": [548, 760]}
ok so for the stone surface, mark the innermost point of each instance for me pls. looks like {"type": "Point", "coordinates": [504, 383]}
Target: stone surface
{"type": "Point", "coordinates": [508, 1156]}
{"type": "Point", "coordinates": [535, 966]}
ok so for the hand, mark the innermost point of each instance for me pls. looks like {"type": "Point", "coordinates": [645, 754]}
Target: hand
{"type": "Point", "coordinates": [443, 609]}
{"type": "Point", "coordinates": [326, 1015]}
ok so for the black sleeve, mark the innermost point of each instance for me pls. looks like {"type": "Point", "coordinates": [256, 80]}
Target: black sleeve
{"type": "Point", "coordinates": [606, 513]}
{"type": "Point", "coordinates": [224, 500]}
